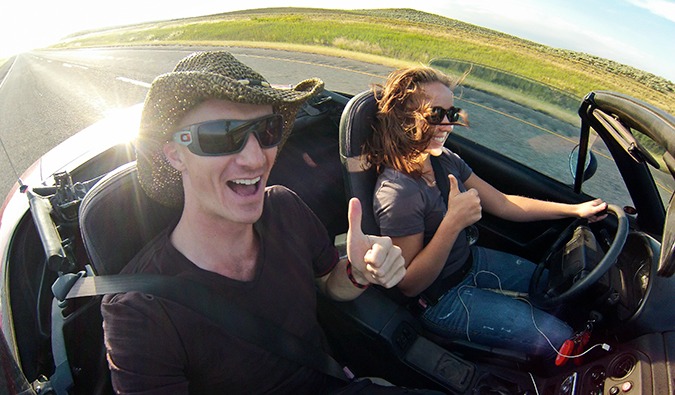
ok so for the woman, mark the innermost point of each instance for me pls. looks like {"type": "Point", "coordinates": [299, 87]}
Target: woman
{"type": "Point", "coordinates": [416, 115]}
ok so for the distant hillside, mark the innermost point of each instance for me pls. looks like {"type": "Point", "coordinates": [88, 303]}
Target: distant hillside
{"type": "Point", "coordinates": [404, 35]}
{"type": "Point", "coordinates": [655, 82]}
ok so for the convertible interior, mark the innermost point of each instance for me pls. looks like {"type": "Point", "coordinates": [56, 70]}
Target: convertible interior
{"type": "Point", "coordinates": [608, 275]}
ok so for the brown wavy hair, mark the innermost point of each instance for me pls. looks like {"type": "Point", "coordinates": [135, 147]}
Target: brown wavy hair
{"type": "Point", "coordinates": [400, 135]}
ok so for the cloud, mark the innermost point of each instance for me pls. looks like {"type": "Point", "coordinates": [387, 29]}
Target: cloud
{"type": "Point", "coordinates": [662, 8]}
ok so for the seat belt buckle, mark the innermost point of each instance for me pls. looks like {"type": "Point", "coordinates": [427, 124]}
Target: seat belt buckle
{"type": "Point", "coordinates": [64, 283]}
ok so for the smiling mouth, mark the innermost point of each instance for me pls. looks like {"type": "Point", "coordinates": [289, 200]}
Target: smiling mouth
{"type": "Point", "coordinates": [441, 138]}
{"type": "Point", "coordinates": [245, 186]}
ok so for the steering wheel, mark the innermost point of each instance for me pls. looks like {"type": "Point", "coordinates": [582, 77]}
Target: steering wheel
{"type": "Point", "coordinates": [577, 277]}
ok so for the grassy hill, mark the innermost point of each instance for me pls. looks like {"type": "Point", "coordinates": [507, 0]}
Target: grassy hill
{"type": "Point", "coordinates": [402, 36]}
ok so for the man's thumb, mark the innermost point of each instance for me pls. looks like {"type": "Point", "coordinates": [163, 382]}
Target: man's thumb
{"type": "Point", "coordinates": [454, 188]}
{"type": "Point", "coordinates": [354, 216]}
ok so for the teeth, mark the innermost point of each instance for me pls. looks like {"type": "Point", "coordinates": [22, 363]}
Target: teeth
{"type": "Point", "coordinates": [251, 181]}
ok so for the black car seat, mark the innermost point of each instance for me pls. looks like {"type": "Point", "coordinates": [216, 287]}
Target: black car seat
{"type": "Point", "coordinates": [116, 220]}
{"type": "Point", "coordinates": [356, 125]}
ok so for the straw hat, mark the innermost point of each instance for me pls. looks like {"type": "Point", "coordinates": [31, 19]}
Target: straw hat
{"type": "Point", "coordinates": [196, 78]}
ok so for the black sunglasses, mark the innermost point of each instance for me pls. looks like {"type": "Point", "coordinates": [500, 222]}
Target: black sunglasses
{"type": "Point", "coordinates": [224, 136]}
{"type": "Point", "coordinates": [439, 113]}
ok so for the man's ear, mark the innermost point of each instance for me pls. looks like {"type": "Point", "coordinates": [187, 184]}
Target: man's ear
{"type": "Point", "coordinates": [174, 155]}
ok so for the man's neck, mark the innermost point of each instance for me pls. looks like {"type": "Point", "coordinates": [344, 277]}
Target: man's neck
{"type": "Point", "coordinates": [227, 248]}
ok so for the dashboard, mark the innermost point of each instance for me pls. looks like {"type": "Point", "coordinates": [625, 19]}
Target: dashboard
{"type": "Point", "coordinates": [638, 367]}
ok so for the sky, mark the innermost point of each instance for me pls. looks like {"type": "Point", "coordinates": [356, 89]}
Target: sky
{"type": "Point", "coordinates": [639, 33]}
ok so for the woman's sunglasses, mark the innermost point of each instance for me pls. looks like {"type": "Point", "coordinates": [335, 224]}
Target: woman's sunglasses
{"type": "Point", "coordinates": [439, 113]}
{"type": "Point", "coordinates": [224, 136]}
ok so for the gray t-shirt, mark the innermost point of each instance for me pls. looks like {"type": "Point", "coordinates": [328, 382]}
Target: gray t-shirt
{"type": "Point", "coordinates": [406, 206]}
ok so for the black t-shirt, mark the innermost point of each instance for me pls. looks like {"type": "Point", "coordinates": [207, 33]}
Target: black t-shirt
{"type": "Point", "coordinates": [156, 346]}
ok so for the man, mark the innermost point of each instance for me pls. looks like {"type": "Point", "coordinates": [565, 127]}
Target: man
{"type": "Point", "coordinates": [209, 135]}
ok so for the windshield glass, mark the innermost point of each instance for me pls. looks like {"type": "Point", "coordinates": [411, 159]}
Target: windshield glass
{"type": "Point", "coordinates": [607, 182]}
{"type": "Point", "coordinates": [533, 124]}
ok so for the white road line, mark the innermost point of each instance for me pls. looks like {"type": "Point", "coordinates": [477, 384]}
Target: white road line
{"type": "Point", "coordinates": [135, 82]}
{"type": "Point", "coordinates": [74, 66]}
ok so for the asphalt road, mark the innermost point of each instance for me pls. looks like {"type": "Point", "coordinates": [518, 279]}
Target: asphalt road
{"type": "Point", "coordinates": [47, 96]}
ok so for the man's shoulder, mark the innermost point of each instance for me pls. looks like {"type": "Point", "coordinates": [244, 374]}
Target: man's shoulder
{"type": "Point", "coordinates": [283, 208]}
{"type": "Point", "coordinates": [279, 192]}
{"type": "Point", "coordinates": [279, 195]}
{"type": "Point", "coordinates": [130, 299]}
{"type": "Point", "coordinates": [145, 260]}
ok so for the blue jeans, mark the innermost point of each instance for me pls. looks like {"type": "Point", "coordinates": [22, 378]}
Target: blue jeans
{"type": "Point", "coordinates": [472, 312]}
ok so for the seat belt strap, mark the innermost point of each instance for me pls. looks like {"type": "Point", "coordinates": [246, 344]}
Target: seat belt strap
{"type": "Point", "coordinates": [441, 177]}
{"type": "Point", "coordinates": [61, 381]}
{"type": "Point", "coordinates": [443, 184]}
{"type": "Point", "coordinates": [235, 320]}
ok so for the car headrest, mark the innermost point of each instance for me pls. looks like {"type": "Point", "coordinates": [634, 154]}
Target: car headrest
{"type": "Point", "coordinates": [356, 125]}
{"type": "Point", "coordinates": [117, 219]}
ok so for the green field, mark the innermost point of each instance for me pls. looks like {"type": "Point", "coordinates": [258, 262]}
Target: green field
{"type": "Point", "coordinates": [549, 79]}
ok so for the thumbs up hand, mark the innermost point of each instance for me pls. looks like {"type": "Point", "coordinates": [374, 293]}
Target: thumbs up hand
{"type": "Point", "coordinates": [375, 259]}
{"type": "Point", "coordinates": [464, 208]}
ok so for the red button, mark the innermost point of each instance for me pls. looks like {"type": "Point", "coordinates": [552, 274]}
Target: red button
{"type": "Point", "coordinates": [627, 386]}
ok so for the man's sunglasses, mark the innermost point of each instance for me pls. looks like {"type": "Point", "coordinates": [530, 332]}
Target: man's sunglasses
{"type": "Point", "coordinates": [439, 113]}
{"type": "Point", "coordinates": [224, 136]}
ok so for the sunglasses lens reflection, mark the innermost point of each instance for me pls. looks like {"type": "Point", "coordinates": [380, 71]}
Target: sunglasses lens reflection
{"type": "Point", "coordinates": [225, 137]}
{"type": "Point", "coordinates": [269, 133]}
{"type": "Point", "coordinates": [214, 139]}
